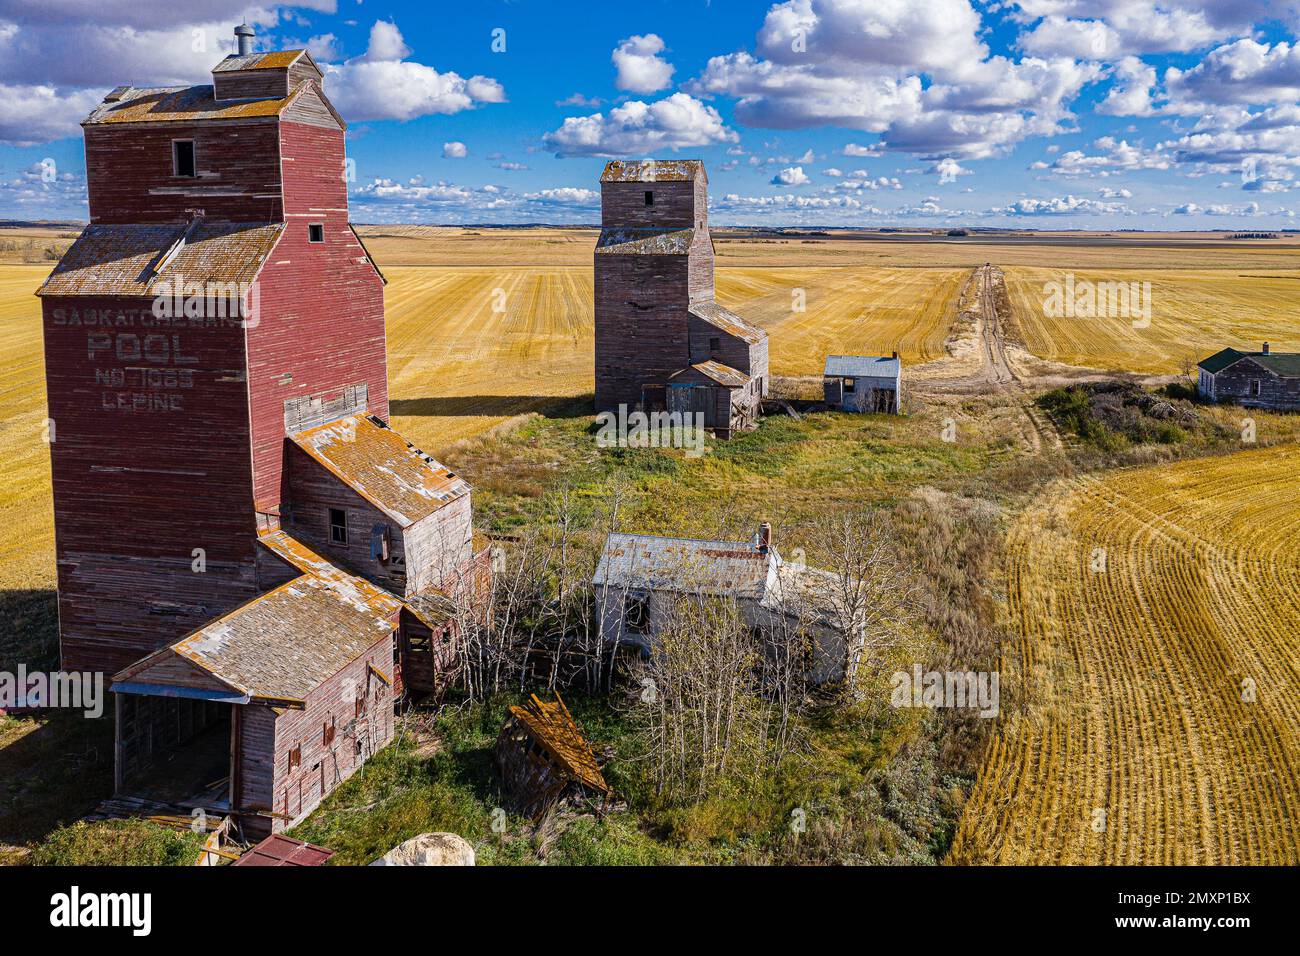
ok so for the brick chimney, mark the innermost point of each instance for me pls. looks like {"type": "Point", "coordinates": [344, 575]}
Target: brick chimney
{"type": "Point", "coordinates": [764, 538]}
{"type": "Point", "coordinates": [1265, 348]}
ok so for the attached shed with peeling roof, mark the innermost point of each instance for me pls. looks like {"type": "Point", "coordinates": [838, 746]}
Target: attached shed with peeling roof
{"type": "Point", "coordinates": [286, 696]}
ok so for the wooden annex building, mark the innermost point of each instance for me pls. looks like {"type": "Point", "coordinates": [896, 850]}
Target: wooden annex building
{"type": "Point", "coordinates": [663, 343]}
{"type": "Point", "coordinates": [242, 539]}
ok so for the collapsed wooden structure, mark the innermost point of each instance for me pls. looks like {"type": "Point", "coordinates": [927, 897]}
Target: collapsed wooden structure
{"type": "Point", "coordinates": [544, 761]}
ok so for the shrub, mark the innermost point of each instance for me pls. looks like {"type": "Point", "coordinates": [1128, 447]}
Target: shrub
{"type": "Point", "coordinates": [118, 843]}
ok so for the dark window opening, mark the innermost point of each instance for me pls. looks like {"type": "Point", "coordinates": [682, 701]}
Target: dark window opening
{"type": "Point", "coordinates": [649, 198]}
{"type": "Point", "coordinates": [1254, 387]}
{"type": "Point", "coordinates": [316, 232]}
{"type": "Point", "coordinates": [183, 157]}
{"type": "Point", "coordinates": [419, 643]}
{"type": "Point", "coordinates": [715, 344]}
{"type": "Point", "coordinates": [636, 613]}
{"type": "Point", "coordinates": [850, 384]}
{"type": "Point", "coordinates": [338, 526]}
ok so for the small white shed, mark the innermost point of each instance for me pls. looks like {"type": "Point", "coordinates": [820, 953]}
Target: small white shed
{"type": "Point", "coordinates": [863, 383]}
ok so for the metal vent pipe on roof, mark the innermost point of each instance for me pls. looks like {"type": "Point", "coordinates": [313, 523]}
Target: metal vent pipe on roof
{"type": "Point", "coordinates": [244, 37]}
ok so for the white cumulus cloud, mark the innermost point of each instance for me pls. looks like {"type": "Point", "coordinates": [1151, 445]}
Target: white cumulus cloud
{"type": "Point", "coordinates": [640, 68]}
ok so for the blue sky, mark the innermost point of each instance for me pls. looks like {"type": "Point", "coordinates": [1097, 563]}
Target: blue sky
{"type": "Point", "coordinates": [1094, 114]}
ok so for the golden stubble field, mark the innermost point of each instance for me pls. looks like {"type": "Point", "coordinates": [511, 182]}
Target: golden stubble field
{"type": "Point", "coordinates": [1156, 618]}
{"type": "Point", "coordinates": [1192, 313]}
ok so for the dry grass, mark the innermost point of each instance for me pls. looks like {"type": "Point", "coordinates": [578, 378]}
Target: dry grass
{"type": "Point", "coordinates": [1137, 746]}
{"type": "Point", "coordinates": [1193, 314]}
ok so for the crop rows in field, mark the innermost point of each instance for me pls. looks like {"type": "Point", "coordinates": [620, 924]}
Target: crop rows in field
{"type": "Point", "coordinates": [1193, 315]}
{"type": "Point", "coordinates": [468, 347]}
{"type": "Point", "coordinates": [1140, 742]}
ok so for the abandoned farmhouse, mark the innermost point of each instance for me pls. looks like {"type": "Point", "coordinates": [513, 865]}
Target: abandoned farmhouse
{"type": "Point", "coordinates": [662, 340]}
{"type": "Point", "coordinates": [641, 578]}
{"type": "Point", "coordinates": [242, 539]}
{"type": "Point", "coordinates": [1263, 379]}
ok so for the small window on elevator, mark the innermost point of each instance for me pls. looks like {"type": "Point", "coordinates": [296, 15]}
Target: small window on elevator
{"type": "Point", "coordinates": [316, 232]}
{"type": "Point", "coordinates": [649, 198]}
{"type": "Point", "coordinates": [183, 158]}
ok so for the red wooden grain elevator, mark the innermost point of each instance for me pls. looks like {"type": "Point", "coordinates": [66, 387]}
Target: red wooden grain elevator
{"type": "Point", "coordinates": [225, 479]}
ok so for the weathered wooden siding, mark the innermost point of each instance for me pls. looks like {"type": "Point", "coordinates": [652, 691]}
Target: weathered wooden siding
{"type": "Point", "coordinates": [254, 788]}
{"type": "Point", "coordinates": [1275, 392]}
{"type": "Point", "coordinates": [324, 766]}
{"type": "Point", "coordinates": [439, 547]}
{"type": "Point", "coordinates": [321, 322]}
{"type": "Point", "coordinates": [251, 84]}
{"type": "Point", "coordinates": [641, 329]}
{"type": "Point", "coordinates": [150, 461]}
{"type": "Point", "coordinates": [129, 172]}
{"type": "Point", "coordinates": [312, 491]}
{"type": "Point", "coordinates": [622, 205]}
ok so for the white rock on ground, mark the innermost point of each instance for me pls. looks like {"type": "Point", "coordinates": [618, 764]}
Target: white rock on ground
{"type": "Point", "coordinates": [430, 849]}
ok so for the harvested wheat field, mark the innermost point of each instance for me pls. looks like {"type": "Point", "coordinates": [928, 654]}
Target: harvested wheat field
{"type": "Point", "coordinates": [1193, 314]}
{"type": "Point", "coordinates": [1161, 718]}
{"type": "Point", "coordinates": [26, 522]}
{"type": "Point", "coordinates": [507, 328]}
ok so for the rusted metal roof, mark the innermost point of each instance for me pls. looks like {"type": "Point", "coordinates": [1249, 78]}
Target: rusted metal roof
{"type": "Point", "coordinates": [727, 321]}
{"type": "Point", "coordinates": [280, 850]}
{"type": "Point", "coordinates": [382, 467]}
{"type": "Point", "coordinates": [645, 242]}
{"type": "Point", "coordinates": [134, 260]}
{"type": "Point", "coordinates": [646, 563]}
{"type": "Point", "coordinates": [277, 60]}
{"type": "Point", "coordinates": [183, 104]}
{"type": "Point", "coordinates": [653, 171]}
{"type": "Point", "coordinates": [282, 645]}
{"type": "Point", "coordinates": [722, 374]}
{"type": "Point", "coordinates": [554, 728]}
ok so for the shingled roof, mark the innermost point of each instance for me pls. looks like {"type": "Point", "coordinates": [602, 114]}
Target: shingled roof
{"type": "Point", "coordinates": [653, 171]}
{"type": "Point", "coordinates": [183, 104]}
{"type": "Point", "coordinates": [382, 467]}
{"type": "Point", "coordinates": [717, 372]}
{"type": "Point", "coordinates": [727, 321]}
{"type": "Point", "coordinates": [274, 60]}
{"type": "Point", "coordinates": [1285, 364]}
{"type": "Point", "coordinates": [133, 260]}
{"type": "Point", "coordinates": [645, 242]}
{"type": "Point", "coordinates": [278, 647]}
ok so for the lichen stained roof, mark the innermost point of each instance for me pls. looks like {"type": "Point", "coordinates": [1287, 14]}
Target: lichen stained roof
{"type": "Point", "coordinates": [183, 104]}
{"type": "Point", "coordinates": [283, 644]}
{"type": "Point", "coordinates": [645, 242]}
{"type": "Point", "coordinates": [274, 60]}
{"type": "Point", "coordinates": [135, 260]}
{"type": "Point", "coordinates": [653, 171]}
{"type": "Point", "coordinates": [723, 319]}
{"type": "Point", "coordinates": [722, 374]}
{"type": "Point", "coordinates": [382, 467]}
